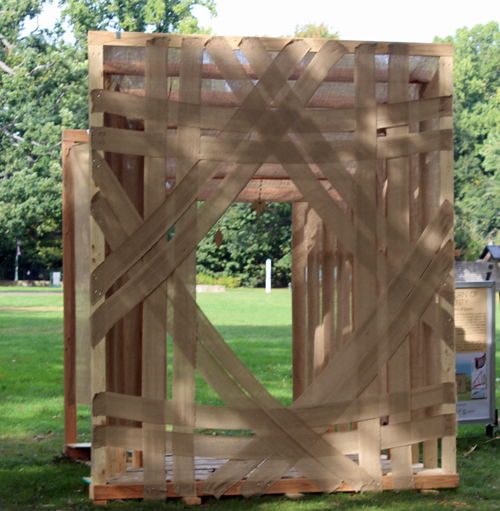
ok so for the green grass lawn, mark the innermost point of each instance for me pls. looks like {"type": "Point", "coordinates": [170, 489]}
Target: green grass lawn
{"type": "Point", "coordinates": [22, 289]}
{"type": "Point", "coordinates": [258, 327]}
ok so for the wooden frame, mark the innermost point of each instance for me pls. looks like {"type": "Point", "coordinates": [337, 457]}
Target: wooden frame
{"type": "Point", "coordinates": [359, 137]}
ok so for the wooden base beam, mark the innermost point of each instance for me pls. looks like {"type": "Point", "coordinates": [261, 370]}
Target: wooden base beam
{"type": "Point", "coordinates": [295, 485]}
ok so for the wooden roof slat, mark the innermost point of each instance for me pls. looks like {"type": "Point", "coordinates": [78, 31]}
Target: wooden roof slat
{"type": "Point", "coordinates": [270, 43]}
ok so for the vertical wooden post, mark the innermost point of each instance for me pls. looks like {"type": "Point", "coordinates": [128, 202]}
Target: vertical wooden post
{"type": "Point", "coordinates": [299, 261]}
{"type": "Point", "coordinates": [314, 350]}
{"type": "Point", "coordinates": [328, 270]}
{"type": "Point", "coordinates": [398, 247]}
{"type": "Point", "coordinates": [98, 355]}
{"type": "Point", "coordinates": [365, 258]}
{"type": "Point", "coordinates": [448, 443]}
{"type": "Point", "coordinates": [70, 400]}
{"type": "Point", "coordinates": [184, 349]}
{"type": "Point", "coordinates": [429, 202]}
{"type": "Point", "coordinates": [70, 429]}
{"type": "Point", "coordinates": [154, 342]}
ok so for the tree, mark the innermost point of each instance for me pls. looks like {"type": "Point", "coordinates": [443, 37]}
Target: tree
{"type": "Point", "coordinates": [134, 15]}
{"type": "Point", "coordinates": [248, 241]}
{"type": "Point", "coordinates": [315, 31]}
{"type": "Point", "coordinates": [43, 90]}
{"type": "Point", "coordinates": [44, 93]}
{"type": "Point", "coordinates": [477, 120]}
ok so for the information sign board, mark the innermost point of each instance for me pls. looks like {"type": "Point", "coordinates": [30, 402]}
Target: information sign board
{"type": "Point", "coordinates": [475, 351]}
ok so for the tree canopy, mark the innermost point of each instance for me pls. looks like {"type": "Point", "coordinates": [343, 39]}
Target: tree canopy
{"type": "Point", "coordinates": [134, 15]}
{"type": "Point", "coordinates": [315, 31]}
{"type": "Point", "coordinates": [43, 90]}
{"type": "Point", "coordinates": [477, 136]}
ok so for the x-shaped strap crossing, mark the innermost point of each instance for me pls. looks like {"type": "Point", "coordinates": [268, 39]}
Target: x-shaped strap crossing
{"type": "Point", "coordinates": [150, 275]}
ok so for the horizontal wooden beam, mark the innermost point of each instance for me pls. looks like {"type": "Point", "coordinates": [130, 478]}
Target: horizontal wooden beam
{"type": "Point", "coordinates": [292, 485]}
{"type": "Point", "coordinates": [270, 43]}
{"type": "Point", "coordinates": [211, 71]}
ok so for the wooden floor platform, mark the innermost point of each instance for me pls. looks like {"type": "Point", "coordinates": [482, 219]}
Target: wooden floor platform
{"type": "Point", "coordinates": [129, 485]}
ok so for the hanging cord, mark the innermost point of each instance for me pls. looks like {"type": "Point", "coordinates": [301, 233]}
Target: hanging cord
{"type": "Point", "coordinates": [258, 205]}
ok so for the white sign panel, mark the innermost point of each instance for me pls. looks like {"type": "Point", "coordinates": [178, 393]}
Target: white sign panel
{"type": "Point", "coordinates": [475, 351]}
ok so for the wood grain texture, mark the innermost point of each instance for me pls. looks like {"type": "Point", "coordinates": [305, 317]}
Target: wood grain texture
{"type": "Point", "coordinates": [98, 354]}
{"type": "Point", "coordinates": [271, 44]}
{"type": "Point", "coordinates": [296, 485]}
{"type": "Point", "coordinates": [154, 308]}
{"type": "Point", "coordinates": [369, 258]}
{"type": "Point", "coordinates": [365, 255]}
{"type": "Point", "coordinates": [69, 138]}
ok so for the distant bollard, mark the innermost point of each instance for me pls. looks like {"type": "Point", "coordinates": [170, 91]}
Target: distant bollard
{"type": "Point", "coordinates": [268, 275]}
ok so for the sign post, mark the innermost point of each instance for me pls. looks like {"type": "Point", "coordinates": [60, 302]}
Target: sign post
{"type": "Point", "coordinates": [268, 275]}
{"type": "Point", "coordinates": [475, 352]}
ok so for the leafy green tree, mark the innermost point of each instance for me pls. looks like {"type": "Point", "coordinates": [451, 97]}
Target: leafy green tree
{"type": "Point", "coordinates": [13, 13]}
{"type": "Point", "coordinates": [248, 241]}
{"type": "Point", "coordinates": [43, 93]}
{"type": "Point", "coordinates": [134, 15]}
{"type": "Point", "coordinates": [315, 31]}
{"type": "Point", "coordinates": [477, 119]}
{"type": "Point", "coordinates": [43, 90]}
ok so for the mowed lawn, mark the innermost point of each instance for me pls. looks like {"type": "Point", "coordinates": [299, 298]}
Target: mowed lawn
{"type": "Point", "coordinates": [258, 327]}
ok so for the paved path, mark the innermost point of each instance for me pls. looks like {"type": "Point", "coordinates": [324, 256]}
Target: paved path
{"type": "Point", "coordinates": [27, 293]}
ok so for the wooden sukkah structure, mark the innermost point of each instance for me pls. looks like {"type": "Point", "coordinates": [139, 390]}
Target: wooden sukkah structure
{"type": "Point", "coordinates": [358, 136]}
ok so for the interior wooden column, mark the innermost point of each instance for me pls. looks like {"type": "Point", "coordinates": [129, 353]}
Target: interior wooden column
{"type": "Point", "coordinates": [365, 257]}
{"type": "Point", "coordinates": [299, 307]}
{"type": "Point", "coordinates": [398, 218]}
{"type": "Point", "coordinates": [154, 341]}
{"type": "Point", "coordinates": [184, 349]}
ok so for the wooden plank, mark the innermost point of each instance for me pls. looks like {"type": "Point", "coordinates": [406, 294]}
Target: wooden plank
{"type": "Point", "coordinates": [123, 346]}
{"type": "Point", "coordinates": [184, 360]}
{"type": "Point", "coordinates": [216, 417]}
{"type": "Point", "coordinates": [116, 196]}
{"type": "Point", "coordinates": [398, 247]}
{"type": "Point", "coordinates": [271, 44]}
{"type": "Point", "coordinates": [299, 317]}
{"type": "Point", "coordinates": [69, 137]}
{"type": "Point", "coordinates": [429, 202]}
{"type": "Point", "coordinates": [295, 485]}
{"type": "Point", "coordinates": [328, 271]}
{"type": "Point", "coordinates": [80, 162]}
{"type": "Point", "coordinates": [344, 307]}
{"type": "Point", "coordinates": [98, 354]}
{"type": "Point", "coordinates": [210, 71]}
{"type": "Point", "coordinates": [159, 145]}
{"type": "Point", "coordinates": [365, 255]}
{"type": "Point", "coordinates": [252, 448]}
{"type": "Point", "coordinates": [314, 350]}
{"type": "Point", "coordinates": [448, 443]}
{"type": "Point", "coordinates": [154, 331]}
{"type": "Point", "coordinates": [217, 117]}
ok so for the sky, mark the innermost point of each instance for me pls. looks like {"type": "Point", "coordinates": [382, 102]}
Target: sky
{"type": "Point", "coordinates": [361, 20]}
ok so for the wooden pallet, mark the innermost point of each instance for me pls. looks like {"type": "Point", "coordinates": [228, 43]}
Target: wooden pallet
{"type": "Point", "coordinates": [130, 485]}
